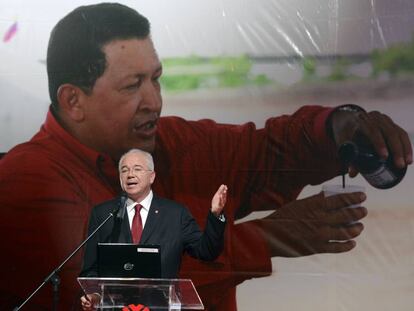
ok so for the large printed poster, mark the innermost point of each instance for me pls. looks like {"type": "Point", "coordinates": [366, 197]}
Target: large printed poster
{"type": "Point", "coordinates": [239, 61]}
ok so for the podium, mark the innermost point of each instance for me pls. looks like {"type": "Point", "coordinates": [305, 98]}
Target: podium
{"type": "Point", "coordinates": [156, 294]}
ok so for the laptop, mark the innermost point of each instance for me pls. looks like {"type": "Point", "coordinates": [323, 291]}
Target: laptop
{"type": "Point", "coordinates": [129, 260]}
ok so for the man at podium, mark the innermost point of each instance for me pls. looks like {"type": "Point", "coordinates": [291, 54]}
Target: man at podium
{"type": "Point", "coordinates": [149, 219]}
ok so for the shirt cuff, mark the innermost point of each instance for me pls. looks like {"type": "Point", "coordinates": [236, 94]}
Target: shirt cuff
{"type": "Point", "coordinates": [220, 218]}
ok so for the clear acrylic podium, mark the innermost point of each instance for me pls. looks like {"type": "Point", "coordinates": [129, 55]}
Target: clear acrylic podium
{"type": "Point", "coordinates": [156, 294]}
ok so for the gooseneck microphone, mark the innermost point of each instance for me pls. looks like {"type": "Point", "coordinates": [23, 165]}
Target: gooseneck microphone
{"type": "Point", "coordinates": [53, 277]}
{"type": "Point", "coordinates": [122, 206]}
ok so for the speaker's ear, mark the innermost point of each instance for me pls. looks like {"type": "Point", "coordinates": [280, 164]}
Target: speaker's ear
{"type": "Point", "coordinates": [69, 101]}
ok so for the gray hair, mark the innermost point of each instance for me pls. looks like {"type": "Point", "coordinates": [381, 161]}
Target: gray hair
{"type": "Point", "coordinates": [148, 156]}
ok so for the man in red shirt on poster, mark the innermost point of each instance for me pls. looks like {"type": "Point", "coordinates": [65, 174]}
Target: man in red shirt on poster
{"type": "Point", "coordinates": [104, 86]}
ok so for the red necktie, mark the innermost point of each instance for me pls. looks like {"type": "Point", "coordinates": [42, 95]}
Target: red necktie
{"type": "Point", "coordinates": [136, 228]}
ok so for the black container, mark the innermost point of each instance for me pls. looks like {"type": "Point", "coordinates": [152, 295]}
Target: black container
{"type": "Point", "coordinates": [379, 173]}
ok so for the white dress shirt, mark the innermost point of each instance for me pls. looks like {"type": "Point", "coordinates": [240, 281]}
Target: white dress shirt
{"type": "Point", "coordinates": [146, 203]}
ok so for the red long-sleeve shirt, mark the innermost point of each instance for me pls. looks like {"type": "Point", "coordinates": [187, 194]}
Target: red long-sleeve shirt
{"type": "Point", "coordinates": [49, 185]}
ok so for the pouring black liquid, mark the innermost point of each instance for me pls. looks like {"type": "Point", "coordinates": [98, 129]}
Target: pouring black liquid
{"type": "Point", "coordinates": [380, 173]}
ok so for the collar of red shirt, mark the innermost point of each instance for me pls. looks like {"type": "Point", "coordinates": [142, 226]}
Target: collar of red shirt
{"type": "Point", "coordinates": [101, 162]}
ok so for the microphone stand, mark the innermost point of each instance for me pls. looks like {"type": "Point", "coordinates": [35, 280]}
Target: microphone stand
{"type": "Point", "coordinates": [54, 277]}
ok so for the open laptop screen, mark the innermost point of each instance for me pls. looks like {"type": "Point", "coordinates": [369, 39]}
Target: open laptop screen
{"type": "Point", "coordinates": [129, 260]}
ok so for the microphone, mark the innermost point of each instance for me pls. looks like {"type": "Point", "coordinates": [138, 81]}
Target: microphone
{"type": "Point", "coordinates": [121, 206]}
{"type": "Point", "coordinates": [54, 277]}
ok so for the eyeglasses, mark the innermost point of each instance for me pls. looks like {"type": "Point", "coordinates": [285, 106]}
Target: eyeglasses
{"type": "Point", "coordinates": [135, 170]}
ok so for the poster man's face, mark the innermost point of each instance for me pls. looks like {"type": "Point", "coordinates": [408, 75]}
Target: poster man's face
{"type": "Point", "coordinates": [124, 106]}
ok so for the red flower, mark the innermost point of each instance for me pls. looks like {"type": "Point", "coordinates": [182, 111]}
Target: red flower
{"type": "Point", "coordinates": [138, 307]}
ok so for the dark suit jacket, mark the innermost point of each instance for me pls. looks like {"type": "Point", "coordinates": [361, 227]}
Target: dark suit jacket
{"type": "Point", "coordinates": [169, 224]}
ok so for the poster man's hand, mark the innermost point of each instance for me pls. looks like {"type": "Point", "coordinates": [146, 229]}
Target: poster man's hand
{"type": "Point", "coordinates": [314, 225]}
{"type": "Point", "coordinates": [383, 134]}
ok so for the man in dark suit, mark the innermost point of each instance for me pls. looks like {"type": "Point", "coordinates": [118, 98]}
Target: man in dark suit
{"type": "Point", "coordinates": [149, 219]}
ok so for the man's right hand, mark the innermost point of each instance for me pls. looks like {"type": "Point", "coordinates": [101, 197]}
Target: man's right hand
{"type": "Point", "coordinates": [314, 225]}
{"type": "Point", "coordinates": [90, 302]}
